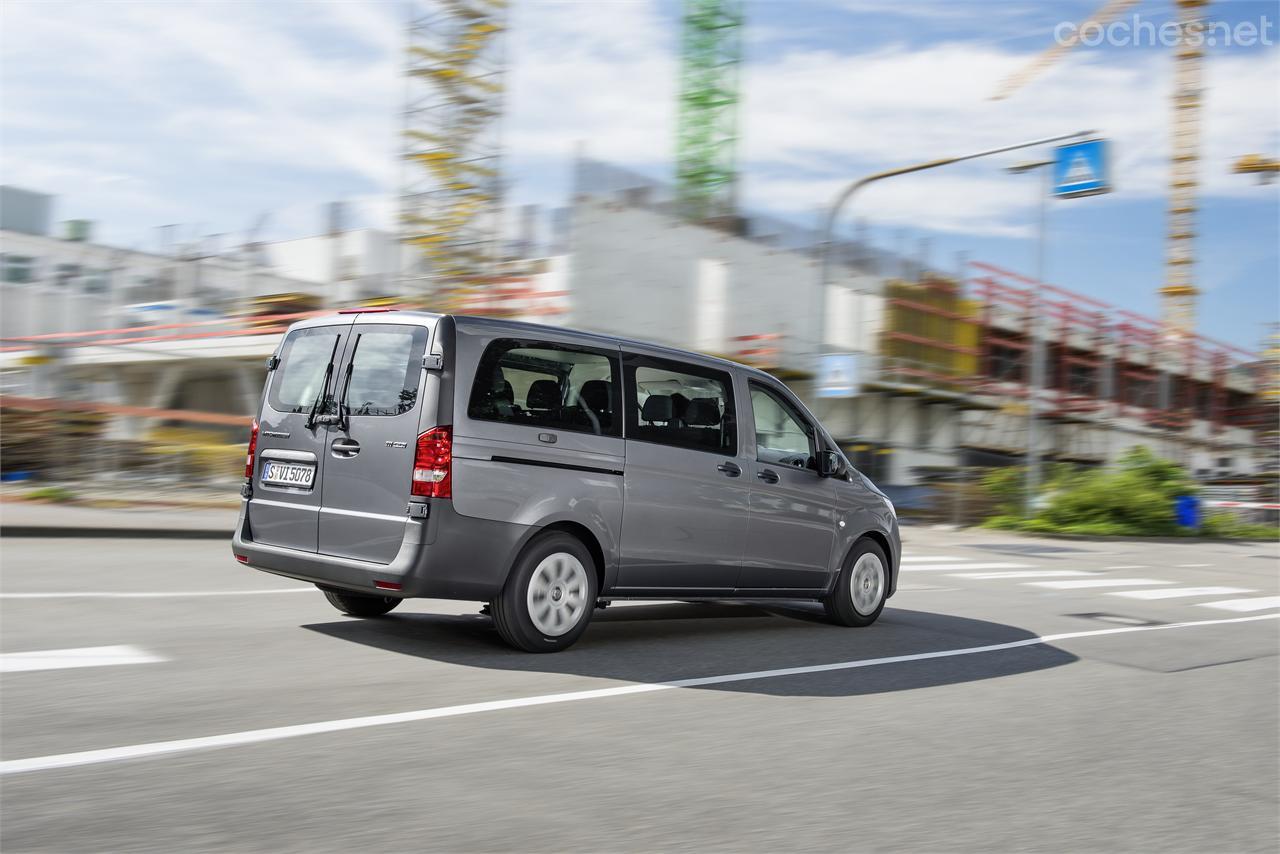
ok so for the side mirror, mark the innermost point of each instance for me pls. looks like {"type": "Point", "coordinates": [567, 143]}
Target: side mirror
{"type": "Point", "coordinates": [832, 464]}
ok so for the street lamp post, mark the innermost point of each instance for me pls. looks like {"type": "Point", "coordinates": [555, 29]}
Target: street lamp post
{"type": "Point", "coordinates": [824, 266]}
{"type": "Point", "coordinates": [1036, 372]}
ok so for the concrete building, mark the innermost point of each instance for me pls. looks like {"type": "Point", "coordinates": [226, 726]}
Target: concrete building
{"type": "Point", "coordinates": [936, 368]}
{"type": "Point", "coordinates": [67, 282]}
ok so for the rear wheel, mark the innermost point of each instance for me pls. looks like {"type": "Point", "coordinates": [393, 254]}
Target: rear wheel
{"type": "Point", "coordinates": [549, 596]}
{"type": "Point", "coordinates": [358, 604]}
{"type": "Point", "coordinates": [858, 597]}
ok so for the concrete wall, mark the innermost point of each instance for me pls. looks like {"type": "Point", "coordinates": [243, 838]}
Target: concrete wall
{"type": "Point", "coordinates": [640, 273]}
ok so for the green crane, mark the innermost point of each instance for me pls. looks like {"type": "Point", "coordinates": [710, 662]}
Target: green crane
{"type": "Point", "coordinates": [707, 133]}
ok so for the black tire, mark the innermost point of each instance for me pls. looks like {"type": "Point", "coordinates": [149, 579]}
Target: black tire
{"type": "Point", "coordinates": [539, 632]}
{"type": "Point", "coordinates": [841, 606]}
{"type": "Point", "coordinates": [358, 604]}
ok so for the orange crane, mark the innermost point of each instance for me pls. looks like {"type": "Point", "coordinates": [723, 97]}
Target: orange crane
{"type": "Point", "coordinates": [1178, 295]}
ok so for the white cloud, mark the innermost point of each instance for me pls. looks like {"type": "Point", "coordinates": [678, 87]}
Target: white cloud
{"type": "Point", "coordinates": [163, 99]}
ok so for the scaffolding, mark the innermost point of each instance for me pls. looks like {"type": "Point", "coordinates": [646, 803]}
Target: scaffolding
{"type": "Point", "coordinates": [707, 133]}
{"type": "Point", "coordinates": [1107, 363]}
{"type": "Point", "coordinates": [451, 195]}
{"type": "Point", "coordinates": [930, 334]}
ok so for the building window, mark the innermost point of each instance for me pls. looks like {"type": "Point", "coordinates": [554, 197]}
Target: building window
{"type": "Point", "coordinates": [19, 269]}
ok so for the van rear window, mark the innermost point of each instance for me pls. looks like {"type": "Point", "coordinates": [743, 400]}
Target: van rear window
{"type": "Point", "coordinates": [385, 364]}
{"type": "Point", "coordinates": [297, 380]}
{"type": "Point", "coordinates": [543, 384]}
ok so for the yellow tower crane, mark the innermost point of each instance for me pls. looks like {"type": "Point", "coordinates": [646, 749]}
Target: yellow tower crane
{"type": "Point", "coordinates": [1178, 295]}
{"type": "Point", "coordinates": [1266, 168]}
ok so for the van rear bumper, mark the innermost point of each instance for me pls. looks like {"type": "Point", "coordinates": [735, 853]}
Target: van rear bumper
{"type": "Point", "coordinates": [445, 556]}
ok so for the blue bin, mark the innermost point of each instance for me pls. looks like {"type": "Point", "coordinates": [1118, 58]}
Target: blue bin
{"type": "Point", "coordinates": [1186, 509]}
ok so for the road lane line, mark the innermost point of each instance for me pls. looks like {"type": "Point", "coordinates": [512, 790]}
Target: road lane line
{"type": "Point", "coordinates": [1193, 565]}
{"type": "Point", "coordinates": [175, 594]}
{"type": "Point", "coordinates": [256, 736]}
{"type": "Point", "coordinates": [910, 558]}
{"type": "Point", "coordinates": [941, 567]}
{"type": "Point", "coordinates": [1096, 582]}
{"type": "Point", "coordinates": [1259, 603]}
{"type": "Point", "coordinates": [1178, 592]}
{"type": "Point", "coordinates": [1027, 573]}
{"type": "Point", "coordinates": [65, 659]}
{"type": "Point", "coordinates": [1132, 566]}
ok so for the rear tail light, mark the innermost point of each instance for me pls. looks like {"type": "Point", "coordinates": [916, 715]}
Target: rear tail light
{"type": "Point", "coordinates": [253, 449]}
{"type": "Point", "coordinates": [433, 464]}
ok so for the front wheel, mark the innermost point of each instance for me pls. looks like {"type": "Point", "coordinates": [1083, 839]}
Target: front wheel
{"type": "Point", "coordinates": [859, 594]}
{"type": "Point", "coordinates": [549, 596]}
{"type": "Point", "coordinates": [358, 604]}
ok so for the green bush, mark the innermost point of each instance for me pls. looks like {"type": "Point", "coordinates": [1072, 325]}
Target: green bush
{"type": "Point", "coordinates": [1227, 526]}
{"type": "Point", "coordinates": [54, 494]}
{"type": "Point", "coordinates": [1136, 497]}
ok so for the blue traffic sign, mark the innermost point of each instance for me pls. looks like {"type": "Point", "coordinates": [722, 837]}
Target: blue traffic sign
{"type": "Point", "coordinates": [1081, 169]}
{"type": "Point", "coordinates": [838, 375]}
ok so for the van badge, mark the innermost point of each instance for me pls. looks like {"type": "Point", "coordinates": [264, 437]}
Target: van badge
{"type": "Point", "coordinates": [391, 444]}
{"type": "Point", "coordinates": [275, 434]}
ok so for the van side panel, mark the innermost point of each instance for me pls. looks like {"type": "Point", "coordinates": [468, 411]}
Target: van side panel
{"type": "Point", "coordinates": [508, 474]}
{"type": "Point", "coordinates": [503, 482]}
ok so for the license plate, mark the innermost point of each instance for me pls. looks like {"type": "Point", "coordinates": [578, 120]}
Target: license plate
{"type": "Point", "coordinates": [288, 474]}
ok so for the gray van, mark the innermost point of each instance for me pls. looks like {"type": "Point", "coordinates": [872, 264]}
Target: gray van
{"type": "Point", "coordinates": [547, 472]}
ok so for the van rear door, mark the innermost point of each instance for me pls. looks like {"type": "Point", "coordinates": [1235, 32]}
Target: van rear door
{"type": "Point", "coordinates": [287, 475]}
{"type": "Point", "coordinates": [368, 463]}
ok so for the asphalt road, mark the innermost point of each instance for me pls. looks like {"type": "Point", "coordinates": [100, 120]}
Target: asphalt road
{"type": "Point", "coordinates": [1151, 726]}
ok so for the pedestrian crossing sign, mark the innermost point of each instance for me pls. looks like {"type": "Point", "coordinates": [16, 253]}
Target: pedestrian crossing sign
{"type": "Point", "coordinates": [1081, 169]}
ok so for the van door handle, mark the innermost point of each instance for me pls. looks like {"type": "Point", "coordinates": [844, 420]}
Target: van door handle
{"type": "Point", "coordinates": [730, 469]}
{"type": "Point", "coordinates": [345, 447]}
{"type": "Point", "coordinates": [767, 475]}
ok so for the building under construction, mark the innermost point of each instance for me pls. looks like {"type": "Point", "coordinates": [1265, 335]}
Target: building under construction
{"type": "Point", "coordinates": [943, 361]}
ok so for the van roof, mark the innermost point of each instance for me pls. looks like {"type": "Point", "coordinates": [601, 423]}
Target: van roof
{"type": "Point", "coordinates": [472, 322]}
{"type": "Point", "coordinates": [466, 322]}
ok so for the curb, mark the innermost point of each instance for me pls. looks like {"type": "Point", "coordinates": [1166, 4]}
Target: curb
{"type": "Point", "coordinates": [86, 532]}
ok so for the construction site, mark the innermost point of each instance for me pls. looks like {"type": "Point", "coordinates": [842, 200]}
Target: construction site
{"type": "Point", "coordinates": [945, 372]}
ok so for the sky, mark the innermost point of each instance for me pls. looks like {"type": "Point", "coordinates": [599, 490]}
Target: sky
{"type": "Point", "coordinates": [209, 116]}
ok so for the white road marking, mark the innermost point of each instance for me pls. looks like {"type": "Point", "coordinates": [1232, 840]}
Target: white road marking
{"type": "Point", "coordinates": [941, 567]}
{"type": "Point", "coordinates": [1096, 582]}
{"type": "Point", "coordinates": [929, 559]}
{"type": "Point", "coordinates": [1260, 603]}
{"type": "Point", "coordinates": [1026, 573]}
{"type": "Point", "coordinates": [175, 594]}
{"type": "Point", "coordinates": [235, 739]}
{"type": "Point", "coordinates": [1133, 566]}
{"type": "Point", "coordinates": [1193, 565]}
{"type": "Point", "coordinates": [1179, 592]}
{"type": "Point", "coordinates": [63, 659]}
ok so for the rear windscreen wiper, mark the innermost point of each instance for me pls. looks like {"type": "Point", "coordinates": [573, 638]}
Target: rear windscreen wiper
{"type": "Point", "coordinates": [346, 385]}
{"type": "Point", "coordinates": [323, 394]}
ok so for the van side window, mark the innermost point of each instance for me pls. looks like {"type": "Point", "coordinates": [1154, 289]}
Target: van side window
{"type": "Point", "coordinates": [783, 437]}
{"type": "Point", "coordinates": [674, 403]}
{"type": "Point", "coordinates": [385, 366]}
{"type": "Point", "coordinates": [543, 384]}
{"type": "Point", "coordinates": [296, 381]}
